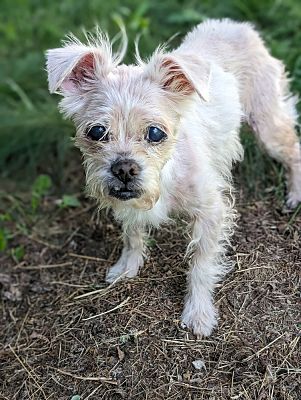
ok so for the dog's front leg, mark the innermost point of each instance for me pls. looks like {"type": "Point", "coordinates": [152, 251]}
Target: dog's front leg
{"type": "Point", "coordinates": [206, 268]}
{"type": "Point", "coordinates": [131, 258]}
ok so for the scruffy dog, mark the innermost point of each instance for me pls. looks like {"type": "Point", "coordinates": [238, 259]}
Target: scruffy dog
{"type": "Point", "coordinates": [161, 137]}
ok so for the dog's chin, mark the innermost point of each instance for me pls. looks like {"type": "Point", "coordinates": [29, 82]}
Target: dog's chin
{"type": "Point", "coordinates": [124, 194]}
{"type": "Point", "coordinates": [135, 199]}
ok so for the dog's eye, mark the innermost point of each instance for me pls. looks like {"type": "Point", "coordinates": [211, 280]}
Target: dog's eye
{"type": "Point", "coordinates": [155, 134]}
{"type": "Point", "coordinates": [98, 132]}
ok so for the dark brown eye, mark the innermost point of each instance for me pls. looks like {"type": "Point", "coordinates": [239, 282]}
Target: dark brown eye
{"type": "Point", "coordinates": [155, 134]}
{"type": "Point", "coordinates": [98, 132]}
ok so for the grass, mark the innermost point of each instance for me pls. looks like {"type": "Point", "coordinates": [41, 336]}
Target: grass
{"type": "Point", "coordinates": [31, 126]}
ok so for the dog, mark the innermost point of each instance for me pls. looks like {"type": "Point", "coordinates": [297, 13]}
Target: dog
{"type": "Point", "coordinates": [161, 137]}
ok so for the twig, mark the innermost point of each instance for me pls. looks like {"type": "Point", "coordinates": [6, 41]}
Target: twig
{"type": "Point", "coordinates": [264, 348]}
{"type": "Point", "coordinates": [86, 378]}
{"type": "Point", "coordinates": [37, 267]}
{"type": "Point", "coordinates": [108, 311]}
{"type": "Point", "coordinates": [90, 293]}
{"type": "Point", "coordinates": [100, 290]}
{"type": "Point", "coordinates": [50, 245]}
{"type": "Point", "coordinates": [250, 269]}
{"type": "Point", "coordinates": [67, 284]}
{"type": "Point", "coordinates": [87, 257]}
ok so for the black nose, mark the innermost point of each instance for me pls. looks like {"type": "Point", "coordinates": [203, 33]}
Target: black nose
{"type": "Point", "coordinates": [125, 170]}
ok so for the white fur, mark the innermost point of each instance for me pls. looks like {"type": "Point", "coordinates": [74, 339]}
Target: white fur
{"type": "Point", "coordinates": [131, 258]}
{"type": "Point", "coordinates": [199, 94]}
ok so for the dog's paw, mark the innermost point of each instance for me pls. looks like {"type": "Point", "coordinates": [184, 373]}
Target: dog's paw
{"type": "Point", "coordinates": [114, 273]}
{"type": "Point", "coordinates": [122, 270]}
{"type": "Point", "coordinates": [200, 320]}
{"type": "Point", "coordinates": [293, 199]}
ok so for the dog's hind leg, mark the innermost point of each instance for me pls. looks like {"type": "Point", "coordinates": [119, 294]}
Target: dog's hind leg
{"type": "Point", "coordinates": [131, 258]}
{"type": "Point", "coordinates": [271, 113]}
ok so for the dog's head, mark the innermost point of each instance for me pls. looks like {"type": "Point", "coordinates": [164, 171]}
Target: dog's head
{"type": "Point", "coordinates": [126, 117]}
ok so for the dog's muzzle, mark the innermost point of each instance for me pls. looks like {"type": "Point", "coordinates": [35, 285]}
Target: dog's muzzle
{"type": "Point", "coordinates": [126, 173]}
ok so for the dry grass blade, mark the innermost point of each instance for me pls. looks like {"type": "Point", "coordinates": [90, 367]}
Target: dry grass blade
{"type": "Point", "coordinates": [264, 348]}
{"type": "Point", "coordinates": [251, 269]}
{"type": "Point", "coordinates": [50, 245]}
{"type": "Point", "coordinates": [122, 304]}
{"type": "Point", "coordinates": [87, 257]}
{"type": "Point", "coordinates": [28, 371]}
{"type": "Point", "coordinates": [93, 392]}
{"type": "Point", "coordinates": [47, 266]}
{"type": "Point", "coordinates": [86, 378]}
{"type": "Point", "coordinates": [102, 291]}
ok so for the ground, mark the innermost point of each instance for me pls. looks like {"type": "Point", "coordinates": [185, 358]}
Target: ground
{"type": "Point", "coordinates": [64, 333]}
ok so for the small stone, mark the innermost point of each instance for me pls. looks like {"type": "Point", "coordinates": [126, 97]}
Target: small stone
{"type": "Point", "coordinates": [187, 376]}
{"type": "Point", "coordinates": [198, 364]}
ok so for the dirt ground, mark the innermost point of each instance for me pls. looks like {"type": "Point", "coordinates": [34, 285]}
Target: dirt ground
{"type": "Point", "coordinates": [65, 334]}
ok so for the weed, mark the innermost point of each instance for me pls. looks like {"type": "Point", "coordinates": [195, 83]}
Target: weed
{"type": "Point", "coordinates": [68, 201]}
{"type": "Point", "coordinates": [40, 188]}
{"type": "Point", "coordinates": [18, 253]}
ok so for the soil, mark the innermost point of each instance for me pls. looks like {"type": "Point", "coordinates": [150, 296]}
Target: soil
{"type": "Point", "coordinates": [65, 334]}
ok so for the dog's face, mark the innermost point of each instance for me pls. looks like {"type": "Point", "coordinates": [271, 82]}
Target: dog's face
{"type": "Point", "coordinates": [126, 130]}
{"type": "Point", "coordinates": [126, 117]}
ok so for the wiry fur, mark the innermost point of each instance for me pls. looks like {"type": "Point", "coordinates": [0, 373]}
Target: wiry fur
{"type": "Point", "coordinates": [198, 94]}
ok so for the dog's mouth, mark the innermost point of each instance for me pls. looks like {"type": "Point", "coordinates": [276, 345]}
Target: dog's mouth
{"type": "Point", "coordinates": [124, 194]}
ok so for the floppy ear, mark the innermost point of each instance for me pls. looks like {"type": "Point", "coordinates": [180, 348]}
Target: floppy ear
{"type": "Point", "coordinates": [180, 74]}
{"type": "Point", "coordinates": [75, 64]}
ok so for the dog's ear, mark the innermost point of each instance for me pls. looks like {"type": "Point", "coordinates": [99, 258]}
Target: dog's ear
{"type": "Point", "coordinates": [180, 75]}
{"type": "Point", "coordinates": [71, 67]}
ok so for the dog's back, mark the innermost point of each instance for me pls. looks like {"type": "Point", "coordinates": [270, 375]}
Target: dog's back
{"type": "Point", "coordinates": [231, 44]}
{"type": "Point", "coordinates": [267, 104]}
{"type": "Point", "coordinates": [237, 48]}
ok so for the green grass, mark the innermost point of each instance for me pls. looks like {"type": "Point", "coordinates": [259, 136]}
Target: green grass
{"type": "Point", "coordinates": [33, 137]}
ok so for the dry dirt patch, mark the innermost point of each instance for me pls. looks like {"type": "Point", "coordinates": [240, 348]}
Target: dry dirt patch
{"type": "Point", "coordinates": [51, 348]}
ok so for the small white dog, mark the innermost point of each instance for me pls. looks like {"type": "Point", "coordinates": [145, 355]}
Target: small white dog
{"type": "Point", "coordinates": [161, 136]}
